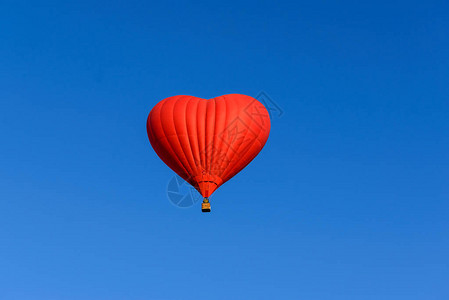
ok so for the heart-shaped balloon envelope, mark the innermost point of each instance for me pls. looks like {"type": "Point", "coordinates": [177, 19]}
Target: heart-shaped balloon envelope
{"type": "Point", "coordinates": [207, 142]}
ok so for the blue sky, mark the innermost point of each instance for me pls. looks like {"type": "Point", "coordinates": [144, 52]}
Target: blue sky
{"type": "Point", "coordinates": [348, 200]}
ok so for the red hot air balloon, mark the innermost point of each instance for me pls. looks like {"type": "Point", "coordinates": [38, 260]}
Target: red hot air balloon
{"type": "Point", "coordinates": [207, 142]}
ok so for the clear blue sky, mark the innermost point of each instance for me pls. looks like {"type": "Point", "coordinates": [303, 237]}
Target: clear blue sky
{"type": "Point", "coordinates": [348, 200]}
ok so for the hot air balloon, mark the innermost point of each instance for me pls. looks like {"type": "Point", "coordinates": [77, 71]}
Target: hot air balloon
{"type": "Point", "coordinates": [208, 141]}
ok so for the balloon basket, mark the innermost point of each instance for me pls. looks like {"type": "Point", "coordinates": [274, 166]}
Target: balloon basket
{"type": "Point", "coordinates": [205, 206]}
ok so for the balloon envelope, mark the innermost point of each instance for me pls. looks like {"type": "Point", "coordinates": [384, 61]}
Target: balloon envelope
{"type": "Point", "coordinates": [207, 142]}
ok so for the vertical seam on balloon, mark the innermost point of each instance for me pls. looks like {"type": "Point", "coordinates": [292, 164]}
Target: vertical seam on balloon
{"type": "Point", "coordinates": [197, 136]}
{"type": "Point", "coordinates": [188, 140]}
{"type": "Point", "coordinates": [168, 140]}
{"type": "Point", "coordinates": [213, 137]}
{"type": "Point", "coordinates": [221, 140]}
{"type": "Point", "coordinates": [205, 144]}
{"type": "Point", "coordinates": [213, 151]}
